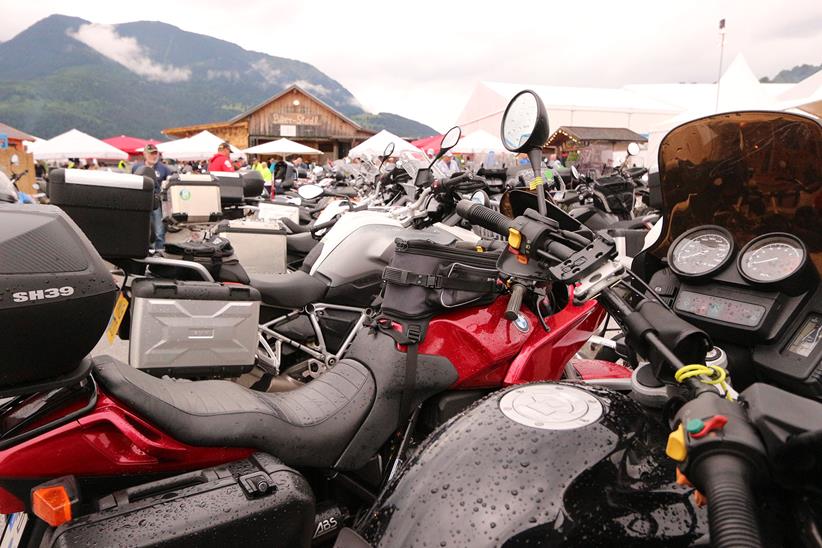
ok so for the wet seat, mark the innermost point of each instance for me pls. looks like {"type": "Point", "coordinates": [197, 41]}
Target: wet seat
{"type": "Point", "coordinates": [289, 290]}
{"type": "Point", "coordinates": [309, 426]}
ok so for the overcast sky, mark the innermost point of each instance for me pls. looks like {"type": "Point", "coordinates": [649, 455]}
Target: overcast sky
{"type": "Point", "coordinates": [421, 59]}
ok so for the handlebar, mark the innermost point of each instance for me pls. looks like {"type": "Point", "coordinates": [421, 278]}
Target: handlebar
{"type": "Point", "coordinates": [726, 480]}
{"type": "Point", "coordinates": [515, 302]}
{"type": "Point", "coordinates": [321, 226]}
{"type": "Point", "coordinates": [483, 216]}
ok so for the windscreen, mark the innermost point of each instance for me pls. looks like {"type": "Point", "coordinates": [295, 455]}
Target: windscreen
{"type": "Point", "coordinates": [750, 172]}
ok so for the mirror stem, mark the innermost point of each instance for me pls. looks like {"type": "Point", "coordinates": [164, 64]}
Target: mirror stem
{"type": "Point", "coordinates": [535, 157]}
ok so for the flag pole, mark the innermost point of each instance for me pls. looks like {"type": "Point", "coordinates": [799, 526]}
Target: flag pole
{"type": "Point", "coordinates": [721, 51]}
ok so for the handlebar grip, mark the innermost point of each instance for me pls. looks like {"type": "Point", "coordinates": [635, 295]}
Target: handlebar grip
{"type": "Point", "coordinates": [484, 216]}
{"type": "Point", "coordinates": [327, 224]}
{"type": "Point", "coordinates": [515, 302]}
{"type": "Point", "coordinates": [448, 183]}
{"type": "Point", "coordinates": [725, 482]}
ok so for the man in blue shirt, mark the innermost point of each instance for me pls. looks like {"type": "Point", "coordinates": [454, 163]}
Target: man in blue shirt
{"type": "Point", "coordinates": [152, 159]}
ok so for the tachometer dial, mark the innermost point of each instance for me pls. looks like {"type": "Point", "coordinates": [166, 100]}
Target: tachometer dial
{"type": "Point", "coordinates": [700, 251]}
{"type": "Point", "coordinates": [772, 258]}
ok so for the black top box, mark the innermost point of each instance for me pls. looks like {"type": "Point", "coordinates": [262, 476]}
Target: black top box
{"type": "Point", "coordinates": [56, 295]}
{"type": "Point", "coordinates": [112, 209]}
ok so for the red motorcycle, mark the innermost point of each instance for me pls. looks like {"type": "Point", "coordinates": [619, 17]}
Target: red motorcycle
{"type": "Point", "coordinates": [93, 426]}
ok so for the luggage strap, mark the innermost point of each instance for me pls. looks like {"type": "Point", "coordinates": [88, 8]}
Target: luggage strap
{"type": "Point", "coordinates": [398, 276]}
{"type": "Point", "coordinates": [410, 337]}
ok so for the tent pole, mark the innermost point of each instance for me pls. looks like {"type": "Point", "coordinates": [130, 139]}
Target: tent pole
{"type": "Point", "coordinates": [721, 51]}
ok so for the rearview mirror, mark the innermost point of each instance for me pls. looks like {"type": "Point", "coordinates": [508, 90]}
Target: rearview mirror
{"type": "Point", "coordinates": [389, 150]}
{"type": "Point", "coordinates": [524, 128]}
{"type": "Point", "coordinates": [450, 139]}
{"type": "Point", "coordinates": [309, 192]}
{"type": "Point", "coordinates": [14, 159]}
{"type": "Point", "coordinates": [525, 123]}
{"type": "Point", "coordinates": [574, 172]}
{"type": "Point", "coordinates": [633, 149]}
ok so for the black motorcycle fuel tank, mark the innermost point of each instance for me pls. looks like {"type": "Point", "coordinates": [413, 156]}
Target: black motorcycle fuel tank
{"type": "Point", "coordinates": [544, 464]}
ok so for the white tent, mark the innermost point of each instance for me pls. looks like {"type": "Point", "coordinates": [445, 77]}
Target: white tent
{"type": "Point", "coordinates": [805, 96]}
{"type": "Point", "coordinates": [75, 144]}
{"type": "Point", "coordinates": [201, 146]}
{"type": "Point", "coordinates": [282, 147]}
{"type": "Point", "coordinates": [479, 141]}
{"type": "Point", "coordinates": [739, 89]}
{"type": "Point", "coordinates": [375, 145]}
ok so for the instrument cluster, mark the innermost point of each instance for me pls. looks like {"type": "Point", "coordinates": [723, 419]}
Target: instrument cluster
{"type": "Point", "coordinates": [774, 258]}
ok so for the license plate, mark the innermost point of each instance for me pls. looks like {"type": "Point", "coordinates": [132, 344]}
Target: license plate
{"type": "Point", "coordinates": [119, 311]}
{"type": "Point", "coordinates": [15, 525]}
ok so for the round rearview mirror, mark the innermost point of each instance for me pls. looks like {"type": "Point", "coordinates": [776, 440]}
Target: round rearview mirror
{"type": "Point", "coordinates": [14, 159]}
{"type": "Point", "coordinates": [309, 192]}
{"type": "Point", "coordinates": [633, 149]}
{"type": "Point", "coordinates": [525, 123]}
{"type": "Point", "coordinates": [389, 150]}
{"type": "Point", "coordinates": [481, 197]}
{"type": "Point", "coordinates": [450, 139]}
{"type": "Point", "coordinates": [574, 172]}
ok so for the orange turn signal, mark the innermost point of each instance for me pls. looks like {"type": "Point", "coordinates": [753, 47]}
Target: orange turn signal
{"type": "Point", "coordinates": [51, 504]}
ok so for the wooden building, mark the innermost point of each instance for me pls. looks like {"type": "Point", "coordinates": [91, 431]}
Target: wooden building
{"type": "Point", "coordinates": [14, 158]}
{"type": "Point", "coordinates": [593, 148]}
{"type": "Point", "coordinates": [294, 114]}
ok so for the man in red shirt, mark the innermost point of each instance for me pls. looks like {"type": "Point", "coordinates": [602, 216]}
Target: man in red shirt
{"type": "Point", "coordinates": [221, 161]}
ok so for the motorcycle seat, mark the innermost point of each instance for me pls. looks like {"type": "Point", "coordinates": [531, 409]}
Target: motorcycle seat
{"type": "Point", "coordinates": [289, 290]}
{"type": "Point", "coordinates": [309, 426]}
{"type": "Point", "coordinates": [300, 243]}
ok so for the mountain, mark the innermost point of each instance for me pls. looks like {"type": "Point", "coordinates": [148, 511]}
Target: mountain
{"type": "Point", "coordinates": [791, 76]}
{"type": "Point", "coordinates": [396, 124]}
{"type": "Point", "coordinates": [138, 78]}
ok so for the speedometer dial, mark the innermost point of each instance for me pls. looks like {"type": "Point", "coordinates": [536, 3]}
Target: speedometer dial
{"type": "Point", "coordinates": [700, 251]}
{"type": "Point", "coordinates": [772, 258]}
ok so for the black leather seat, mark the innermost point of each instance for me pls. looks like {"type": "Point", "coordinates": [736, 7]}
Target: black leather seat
{"type": "Point", "coordinates": [309, 426]}
{"type": "Point", "coordinates": [300, 243]}
{"type": "Point", "coordinates": [289, 290]}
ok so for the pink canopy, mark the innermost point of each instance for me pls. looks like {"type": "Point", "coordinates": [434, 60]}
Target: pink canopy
{"type": "Point", "coordinates": [425, 143]}
{"type": "Point", "coordinates": [129, 144]}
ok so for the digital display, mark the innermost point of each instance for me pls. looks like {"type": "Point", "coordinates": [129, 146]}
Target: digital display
{"type": "Point", "coordinates": [806, 339]}
{"type": "Point", "coordinates": [718, 308]}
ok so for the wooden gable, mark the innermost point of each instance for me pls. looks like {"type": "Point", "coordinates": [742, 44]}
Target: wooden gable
{"type": "Point", "coordinates": [296, 114]}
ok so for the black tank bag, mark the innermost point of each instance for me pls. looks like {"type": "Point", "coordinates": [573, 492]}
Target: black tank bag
{"type": "Point", "coordinates": [215, 254]}
{"type": "Point", "coordinates": [424, 279]}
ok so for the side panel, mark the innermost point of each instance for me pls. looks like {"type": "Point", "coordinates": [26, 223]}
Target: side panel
{"type": "Point", "coordinates": [543, 358]}
{"type": "Point", "coordinates": [109, 441]}
{"type": "Point", "coordinates": [479, 342]}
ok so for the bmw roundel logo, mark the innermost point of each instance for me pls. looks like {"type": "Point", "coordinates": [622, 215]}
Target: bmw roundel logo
{"type": "Point", "coordinates": [522, 323]}
{"type": "Point", "coordinates": [185, 194]}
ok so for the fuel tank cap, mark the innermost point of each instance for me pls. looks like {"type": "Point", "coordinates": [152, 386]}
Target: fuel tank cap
{"type": "Point", "coordinates": [551, 406]}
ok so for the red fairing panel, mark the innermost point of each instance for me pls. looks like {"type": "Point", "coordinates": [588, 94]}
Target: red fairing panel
{"type": "Point", "coordinates": [109, 440]}
{"type": "Point", "coordinates": [489, 351]}
{"type": "Point", "coordinates": [600, 369]}
{"type": "Point", "coordinates": [544, 355]}
{"type": "Point", "coordinates": [479, 342]}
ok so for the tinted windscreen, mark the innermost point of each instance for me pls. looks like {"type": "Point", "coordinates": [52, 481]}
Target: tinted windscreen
{"type": "Point", "coordinates": [750, 172]}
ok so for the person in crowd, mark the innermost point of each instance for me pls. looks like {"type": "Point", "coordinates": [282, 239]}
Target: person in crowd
{"type": "Point", "coordinates": [264, 170]}
{"type": "Point", "coordinates": [222, 160]}
{"type": "Point", "coordinates": [448, 164]}
{"type": "Point", "coordinates": [151, 158]}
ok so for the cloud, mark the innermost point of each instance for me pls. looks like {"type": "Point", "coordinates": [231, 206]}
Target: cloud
{"type": "Point", "coordinates": [127, 52]}
{"type": "Point", "coordinates": [263, 68]}
{"type": "Point", "coordinates": [316, 89]}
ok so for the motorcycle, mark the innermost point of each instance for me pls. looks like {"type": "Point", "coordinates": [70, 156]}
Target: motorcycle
{"type": "Point", "coordinates": [344, 434]}
{"type": "Point", "coordinates": [727, 383]}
